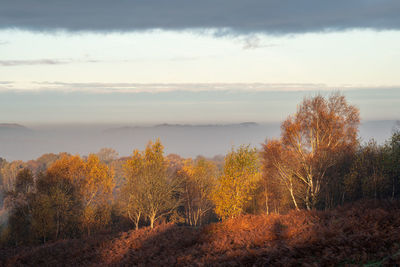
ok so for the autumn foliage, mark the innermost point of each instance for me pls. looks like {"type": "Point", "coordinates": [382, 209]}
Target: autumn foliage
{"type": "Point", "coordinates": [313, 141]}
{"type": "Point", "coordinates": [314, 196]}
{"type": "Point", "coordinates": [71, 198]}
{"type": "Point", "coordinates": [198, 182]}
{"type": "Point", "coordinates": [361, 233]}
{"type": "Point", "coordinates": [238, 182]}
{"type": "Point", "coordinates": [93, 183]}
{"type": "Point", "coordinates": [149, 191]}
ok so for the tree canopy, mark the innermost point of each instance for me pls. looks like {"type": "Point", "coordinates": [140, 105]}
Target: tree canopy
{"type": "Point", "coordinates": [313, 140]}
{"type": "Point", "coordinates": [237, 183]}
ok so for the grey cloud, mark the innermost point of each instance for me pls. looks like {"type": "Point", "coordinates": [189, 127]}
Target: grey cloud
{"type": "Point", "coordinates": [8, 63]}
{"type": "Point", "coordinates": [96, 87]}
{"type": "Point", "coordinates": [6, 85]}
{"type": "Point", "coordinates": [106, 88]}
{"type": "Point", "coordinates": [224, 16]}
{"type": "Point", "coordinates": [254, 42]}
{"type": "Point", "coordinates": [11, 63]}
{"type": "Point", "coordinates": [99, 87]}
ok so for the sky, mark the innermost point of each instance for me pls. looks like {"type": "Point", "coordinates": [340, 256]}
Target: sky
{"type": "Point", "coordinates": [179, 61]}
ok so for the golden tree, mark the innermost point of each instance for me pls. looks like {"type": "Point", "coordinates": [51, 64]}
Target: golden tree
{"type": "Point", "coordinates": [133, 191]}
{"type": "Point", "coordinates": [199, 178]}
{"type": "Point", "coordinates": [93, 183]}
{"type": "Point", "coordinates": [149, 189]}
{"type": "Point", "coordinates": [313, 141]}
{"type": "Point", "coordinates": [96, 193]}
{"type": "Point", "coordinates": [237, 183]}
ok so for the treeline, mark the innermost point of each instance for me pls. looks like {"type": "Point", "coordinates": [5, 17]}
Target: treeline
{"type": "Point", "coordinates": [317, 163]}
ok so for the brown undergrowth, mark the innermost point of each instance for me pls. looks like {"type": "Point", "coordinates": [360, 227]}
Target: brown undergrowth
{"type": "Point", "coordinates": [366, 232]}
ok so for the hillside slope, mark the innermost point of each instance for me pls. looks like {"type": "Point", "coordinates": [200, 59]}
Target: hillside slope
{"type": "Point", "coordinates": [362, 233]}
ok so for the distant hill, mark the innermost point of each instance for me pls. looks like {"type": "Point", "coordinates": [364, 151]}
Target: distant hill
{"type": "Point", "coordinates": [208, 125]}
{"type": "Point", "coordinates": [180, 126]}
{"type": "Point", "coordinates": [13, 128]}
{"type": "Point", "coordinates": [186, 140]}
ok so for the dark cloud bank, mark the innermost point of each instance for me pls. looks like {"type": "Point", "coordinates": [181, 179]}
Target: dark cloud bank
{"type": "Point", "coordinates": [234, 16]}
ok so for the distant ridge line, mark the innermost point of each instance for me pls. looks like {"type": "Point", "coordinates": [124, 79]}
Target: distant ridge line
{"type": "Point", "coordinates": [12, 126]}
{"type": "Point", "coordinates": [167, 125]}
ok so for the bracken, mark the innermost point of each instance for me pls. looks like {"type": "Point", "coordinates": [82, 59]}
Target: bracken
{"type": "Point", "coordinates": [366, 232]}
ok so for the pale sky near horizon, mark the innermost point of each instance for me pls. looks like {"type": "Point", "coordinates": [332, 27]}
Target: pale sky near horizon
{"type": "Point", "coordinates": [354, 58]}
{"type": "Point", "coordinates": [73, 54]}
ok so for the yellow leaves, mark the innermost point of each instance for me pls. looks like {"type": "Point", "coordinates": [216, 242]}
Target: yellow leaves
{"type": "Point", "coordinates": [199, 178]}
{"type": "Point", "coordinates": [148, 190]}
{"type": "Point", "coordinates": [98, 176]}
{"type": "Point", "coordinates": [89, 177]}
{"type": "Point", "coordinates": [92, 180]}
{"type": "Point", "coordinates": [69, 168]}
{"type": "Point", "coordinates": [198, 170]}
{"type": "Point", "coordinates": [236, 185]}
{"type": "Point", "coordinates": [149, 161]}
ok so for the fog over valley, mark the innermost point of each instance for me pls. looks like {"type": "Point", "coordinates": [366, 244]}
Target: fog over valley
{"type": "Point", "coordinates": [18, 142]}
{"type": "Point", "coordinates": [199, 133]}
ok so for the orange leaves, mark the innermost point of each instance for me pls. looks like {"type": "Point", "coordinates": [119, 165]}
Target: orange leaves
{"type": "Point", "coordinates": [98, 178]}
{"type": "Point", "coordinates": [325, 123]}
{"type": "Point", "coordinates": [313, 141]}
{"type": "Point", "coordinates": [69, 168]}
{"type": "Point", "coordinates": [93, 182]}
{"type": "Point", "coordinates": [92, 178]}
